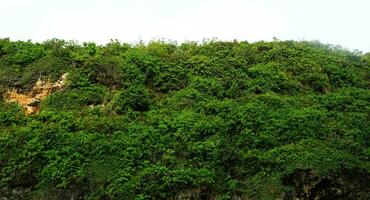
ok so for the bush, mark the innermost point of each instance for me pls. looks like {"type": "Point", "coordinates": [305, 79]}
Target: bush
{"type": "Point", "coordinates": [211, 120]}
{"type": "Point", "coordinates": [135, 98]}
{"type": "Point", "coordinates": [22, 53]}
{"type": "Point", "coordinates": [75, 99]}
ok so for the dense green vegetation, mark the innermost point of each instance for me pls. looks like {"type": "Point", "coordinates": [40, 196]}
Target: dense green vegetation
{"type": "Point", "coordinates": [217, 120]}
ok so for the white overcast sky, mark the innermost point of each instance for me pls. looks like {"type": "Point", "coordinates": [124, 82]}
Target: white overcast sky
{"type": "Point", "coordinates": [343, 22]}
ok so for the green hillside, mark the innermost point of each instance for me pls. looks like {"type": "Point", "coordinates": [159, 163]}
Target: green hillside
{"type": "Point", "coordinates": [212, 120]}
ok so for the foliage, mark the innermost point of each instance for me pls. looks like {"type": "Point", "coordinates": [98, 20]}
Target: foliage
{"type": "Point", "coordinates": [159, 121]}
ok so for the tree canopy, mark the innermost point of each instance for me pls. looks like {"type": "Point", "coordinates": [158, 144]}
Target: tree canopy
{"type": "Point", "coordinates": [211, 120]}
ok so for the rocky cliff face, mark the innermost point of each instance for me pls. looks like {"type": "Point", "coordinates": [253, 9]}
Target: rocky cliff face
{"type": "Point", "coordinates": [31, 101]}
{"type": "Point", "coordinates": [346, 184]}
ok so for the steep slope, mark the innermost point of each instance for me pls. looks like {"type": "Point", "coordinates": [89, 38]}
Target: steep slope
{"type": "Point", "coordinates": [216, 120]}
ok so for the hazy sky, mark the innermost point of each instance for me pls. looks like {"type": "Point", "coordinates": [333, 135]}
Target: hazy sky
{"type": "Point", "coordinates": [344, 22]}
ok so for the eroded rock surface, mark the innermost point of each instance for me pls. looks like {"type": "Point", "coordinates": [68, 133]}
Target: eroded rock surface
{"type": "Point", "coordinates": [344, 185]}
{"type": "Point", "coordinates": [31, 101]}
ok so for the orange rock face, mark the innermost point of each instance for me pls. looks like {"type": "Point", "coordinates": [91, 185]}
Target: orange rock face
{"type": "Point", "coordinates": [31, 101]}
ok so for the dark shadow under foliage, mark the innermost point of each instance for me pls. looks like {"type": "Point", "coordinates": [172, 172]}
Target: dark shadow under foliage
{"type": "Point", "coordinates": [342, 184]}
{"type": "Point", "coordinates": [217, 120]}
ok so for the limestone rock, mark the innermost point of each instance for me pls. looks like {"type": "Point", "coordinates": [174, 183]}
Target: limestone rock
{"type": "Point", "coordinates": [31, 100]}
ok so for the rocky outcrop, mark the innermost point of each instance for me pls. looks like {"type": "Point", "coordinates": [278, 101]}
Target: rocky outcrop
{"type": "Point", "coordinates": [31, 101]}
{"type": "Point", "coordinates": [345, 184]}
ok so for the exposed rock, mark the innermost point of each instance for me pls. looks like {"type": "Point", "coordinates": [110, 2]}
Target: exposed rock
{"type": "Point", "coordinates": [31, 100]}
{"type": "Point", "coordinates": [346, 184]}
{"type": "Point", "coordinates": [194, 194]}
{"type": "Point", "coordinates": [203, 193]}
